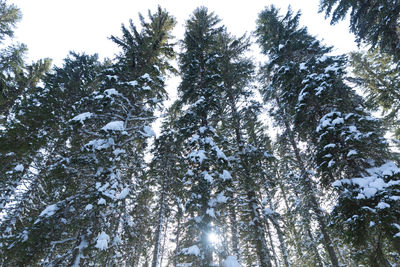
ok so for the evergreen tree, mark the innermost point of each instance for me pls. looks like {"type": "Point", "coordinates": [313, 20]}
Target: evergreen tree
{"type": "Point", "coordinates": [16, 77]}
{"type": "Point", "coordinates": [248, 145]}
{"type": "Point", "coordinates": [287, 46]}
{"type": "Point", "coordinates": [76, 188]}
{"type": "Point", "coordinates": [36, 141]}
{"type": "Point", "coordinates": [375, 23]}
{"type": "Point", "coordinates": [207, 167]}
{"type": "Point", "coordinates": [9, 16]}
{"type": "Point", "coordinates": [99, 191]}
{"type": "Point", "coordinates": [316, 106]}
{"type": "Point", "coordinates": [378, 75]}
{"type": "Point", "coordinates": [166, 172]}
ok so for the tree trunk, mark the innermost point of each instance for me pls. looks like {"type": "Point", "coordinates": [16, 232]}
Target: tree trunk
{"type": "Point", "coordinates": [234, 231]}
{"type": "Point", "coordinates": [178, 234]}
{"type": "Point", "coordinates": [259, 233]}
{"type": "Point", "coordinates": [308, 189]}
{"type": "Point", "coordinates": [158, 234]}
{"type": "Point", "coordinates": [282, 244]}
{"type": "Point", "coordinates": [272, 244]}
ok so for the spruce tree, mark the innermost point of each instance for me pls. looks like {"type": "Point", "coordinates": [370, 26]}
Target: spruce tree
{"type": "Point", "coordinates": [375, 23]}
{"type": "Point", "coordinates": [165, 170]}
{"type": "Point", "coordinates": [207, 166]}
{"type": "Point", "coordinates": [99, 208]}
{"type": "Point", "coordinates": [317, 107]}
{"type": "Point", "coordinates": [378, 75]}
{"type": "Point", "coordinates": [248, 145]}
{"type": "Point", "coordinates": [16, 76]}
{"type": "Point", "coordinates": [287, 46]}
{"type": "Point", "coordinates": [37, 139]}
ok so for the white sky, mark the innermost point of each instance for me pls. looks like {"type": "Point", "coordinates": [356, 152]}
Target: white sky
{"type": "Point", "coordinates": [52, 28]}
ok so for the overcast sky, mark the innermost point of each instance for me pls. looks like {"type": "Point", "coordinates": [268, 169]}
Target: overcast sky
{"type": "Point", "coordinates": [52, 28]}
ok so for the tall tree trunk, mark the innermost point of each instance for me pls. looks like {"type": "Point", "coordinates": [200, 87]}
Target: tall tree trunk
{"type": "Point", "coordinates": [158, 235]}
{"type": "Point", "coordinates": [290, 222]}
{"type": "Point", "coordinates": [272, 244]}
{"type": "Point", "coordinates": [258, 230]}
{"type": "Point", "coordinates": [308, 189]}
{"type": "Point", "coordinates": [178, 233]}
{"type": "Point", "coordinates": [282, 244]}
{"type": "Point", "coordinates": [234, 231]}
{"type": "Point", "coordinates": [164, 241]}
{"type": "Point", "coordinates": [205, 241]}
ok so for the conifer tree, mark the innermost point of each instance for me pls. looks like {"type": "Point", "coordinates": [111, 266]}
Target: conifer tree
{"type": "Point", "coordinates": [10, 56]}
{"type": "Point", "coordinates": [207, 167]}
{"type": "Point", "coordinates": [36, 140]}
{"type": "Point", "coordinates": [316, 106]}
{"type": "Point", "coordinates": [16, 77]}
{"type": "Point", "coordinates": [100, 192]}
{"type": "Point", "coordinates": [166, 172]}
{"type": "Point", "coordinates": [378, 75]}
{"type": "Point", "coordinates": [288, 46]}
{"type": "Point", "coordinates": [247, 144]}
{"type": "Point", "coordinates": [376, 23]}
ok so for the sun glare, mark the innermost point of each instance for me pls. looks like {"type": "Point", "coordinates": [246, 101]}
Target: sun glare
{"type": "Point", "coordinates": [214, 238]}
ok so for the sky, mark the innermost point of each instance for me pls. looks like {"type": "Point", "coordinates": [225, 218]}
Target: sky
{"type": "Point", "coordinates": [52, 28]}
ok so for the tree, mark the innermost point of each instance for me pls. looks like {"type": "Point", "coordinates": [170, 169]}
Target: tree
{"type": "Point", "coordinates": [314, 105]}
{"type": "Point", "coordinates": [9, 16]}
{"type": "Point", "coordinates": [248, 144]}
{"type": "Point", "coordinates": [375, 23]}
{"type": "Point", "coordinates": [37, 141]}
{"type": "Point", "coordinates": [378, 75]}
{"type": "Point", "coordinates": [166, 170]}
{"type": "Point", "coordinates": [16, 77]}
{"type": "Point", "coordinates": [99, 193]}
{"type": "Point", "coordinates": [288, 46]}
{"type": "Point", "coordinates": [206, 165]}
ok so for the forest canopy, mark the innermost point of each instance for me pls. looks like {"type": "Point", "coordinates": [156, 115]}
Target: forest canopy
{"type": "Point", "coordinates": [293, 162]}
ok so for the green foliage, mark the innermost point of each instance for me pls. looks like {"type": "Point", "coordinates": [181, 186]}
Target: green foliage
{"type": "Point", "coordinates": [376, 23]}
{"type": "Point", "coordinates": [198, 61]}
{"type": "Point", "coordinates": [16, 77]}
{"type": "Point", "coordinates": [379, 76]}
{"type": "Point", "coordinates": [76, 190]}
{"type": "Point", "coordinates": [41, 125]}
{"type": "Point", "coordinates": [373, 220]}
{"type": "Point", "coordinates": [141, 50]}
{"type": "Point", "coordinates": [88, 167]}
{"type": "Point", "coordinates": [312, 103]}
{"type": "Point", "coordinates": [9, 16]}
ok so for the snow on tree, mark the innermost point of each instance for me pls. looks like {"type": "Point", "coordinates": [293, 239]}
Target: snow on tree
{"type": "Point", "coordinates": [76, 190]}
{"type": "Point", "coordinates": [205, 162]}
{"type": "Point", "coordinates": [314, 105]}
{"type": "Point", "coordinates": [96, 171]}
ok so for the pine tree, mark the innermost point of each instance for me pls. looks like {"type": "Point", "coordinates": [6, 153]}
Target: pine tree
{"type": "Point", "coordinates": [378, 75]}
{"type": "Point", "coordinates": [375, 23]}
{"type": "Point", "coordinates": [316, 106]}
{"type": "Point", "coordinates": [16, 77]}
{"type": "Point", "coordinates": [207, 167]}
{"type": "Point", "coordinates": [166, 172]}
{"type": "Point", "coordinates": [99, 192]}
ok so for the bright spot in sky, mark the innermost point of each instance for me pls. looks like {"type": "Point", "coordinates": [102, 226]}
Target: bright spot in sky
{"type": "Point", "coordinates": [214, 238]}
